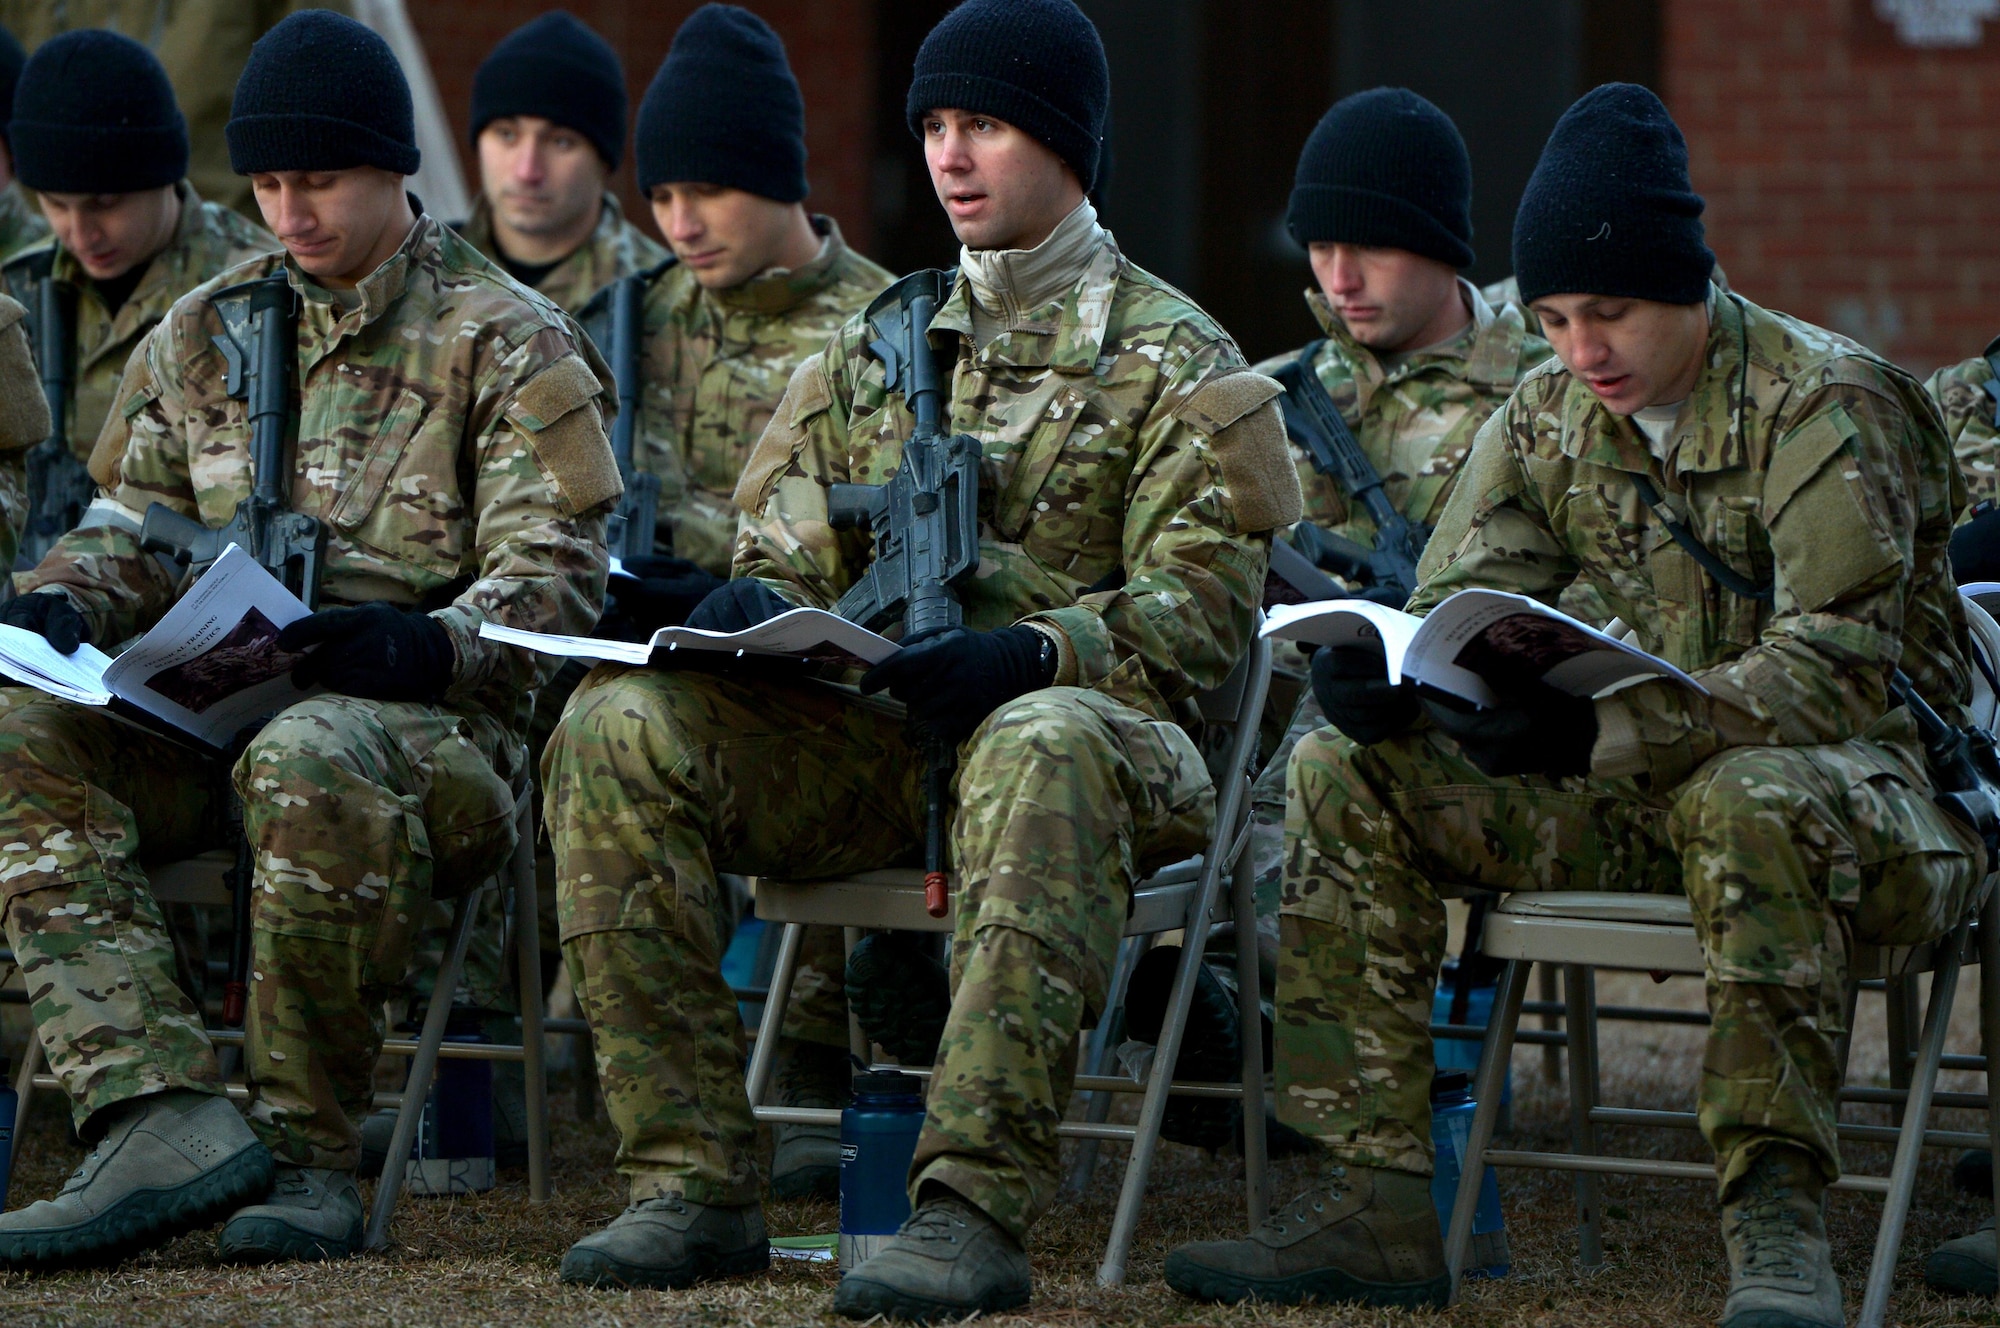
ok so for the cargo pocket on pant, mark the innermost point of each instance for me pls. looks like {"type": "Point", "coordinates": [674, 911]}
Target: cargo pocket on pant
{"type": "Point", "coordinates": [400, 909]}
{"type": "Point", "coordinates": [468, 815]}
{"type": "Point", "coordinates": [1914, 870]}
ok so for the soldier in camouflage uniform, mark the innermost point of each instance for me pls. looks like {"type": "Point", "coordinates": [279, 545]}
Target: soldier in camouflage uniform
{"type": "Point", "coordinates": [97, 135]}
{"type": "Point", "coordinates": [548, 123]}
{"type": "Point", "coordinates": [1133, 469]}
{"type": "Point", "coordinates": [24, 421]}
{"type": "Point", "coordinates": [1789, 801]}
{"type": "Point", "coordinates": [469, 475]}
{"type": "Point", "coordinates": [1968, 396]}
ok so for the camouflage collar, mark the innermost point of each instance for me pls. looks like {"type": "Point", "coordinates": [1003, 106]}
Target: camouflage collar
{"type": "Point", "coordinates": [783, 289]}
{"type": "Point", "coordinates": [1066, 335]}
{"type": "Point", "coordinates": [1486, 352]}
{"type": "Point", "coordinates": [477, 228]}
{"type": "Point", "coordinates": [379, 290]}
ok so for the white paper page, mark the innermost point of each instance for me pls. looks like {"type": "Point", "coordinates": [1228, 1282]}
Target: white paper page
{"type": "Point", "coordinates": [794, 632]}
{"type": "Point", "coordinates": [1347, 622]}
{"type": "Point", "coordinates": [192, 668]}
{"type": "Point", "coordinates": [27, 657]}
{"type": "Point", "coordinates": [1436, 654]}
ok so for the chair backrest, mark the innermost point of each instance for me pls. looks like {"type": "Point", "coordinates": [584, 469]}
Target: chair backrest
{"type": "Point", "coordinates": [1985, 704]}
{"type": "Point", "coordinates": [1232, 710]}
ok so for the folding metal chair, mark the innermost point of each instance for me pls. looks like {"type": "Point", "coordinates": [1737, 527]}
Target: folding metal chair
{"type": "Point", "coordinates": [200, 880]}
{"type": "Point", "coordinates": [1185, 896]}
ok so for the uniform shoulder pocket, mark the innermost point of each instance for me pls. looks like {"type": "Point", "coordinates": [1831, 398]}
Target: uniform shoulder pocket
{"type": "Point", "coordinates": [808, 394]}
{"type": "Point", "coordinates": [1824, 539]}
{"type": "Point", "coordinates": [555, 411]}
{"type": "Point", "coordinates": [384, 454]}
{"type": "Point", "coordinates": [1237, 412]}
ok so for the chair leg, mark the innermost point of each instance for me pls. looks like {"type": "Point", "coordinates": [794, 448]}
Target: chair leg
{"type": "Point", "coordinates": [528, 947]}
{"type": "Point", "coordinates": [1103, 1046]}
{"type": "Point", "coordinates": [1580, 1016]}
{"type": "Point", "coordinates": [1900, 995]}
{"type": "Point", "coordinates": [764, 1056]}
{"type": "Point", "coordinates": [1910, 1145]}
{"type": "Point", "coordinates": [1494, 1057]}
{"type": "Point", "coordinates": [1545, 990]}
{"type": "Point", "coordinates": [24, 1081]}
{"type": "Point", "coordinates": [395, 1162]}
{"type": "Point", "coordinates": [1250, 1015]}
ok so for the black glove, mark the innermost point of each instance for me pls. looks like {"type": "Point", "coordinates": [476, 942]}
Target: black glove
{"type": "Point", "coordinates": [377, 651]}
{"type": "Point", "coordinates": [1535, 730]}
{"type": "Point", "coordinates": [737, 606]}
{"type": "Point", "coordinates": [50, 615]}
{"type": "Point", "coordinates": [1975, 546]}
{"type": "Point", "coordinates": [954, 678]}
{"type": "Point", "coordinates": [1351, 684]}
{"type": "Point", "coordinates": [654, 592]}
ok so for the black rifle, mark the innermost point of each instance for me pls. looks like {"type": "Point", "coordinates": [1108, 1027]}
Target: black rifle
{"type": "Point", "coordinates": [924, 521]}
{"type": "Point", "coordinates": [1315, 424]}
{"type": "Point", "coordinates": [59, 487]}
{"type": "Point", "coordinates": [259, 343]}
{"type": "Point", "coordinates": [1964, 766]}
{"type": "Point", "coordinates": [614, 319]}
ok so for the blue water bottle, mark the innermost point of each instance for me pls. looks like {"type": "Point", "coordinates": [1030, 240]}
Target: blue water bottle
{"type": "Point", "coordinates": [878, 1137]}
{"type": "Point", "coordinates": [453, 1150]}
{"type": "Point", "coordinates": [1451, 1132]}
{"type": "Point", "coordinates": [10, 1102]}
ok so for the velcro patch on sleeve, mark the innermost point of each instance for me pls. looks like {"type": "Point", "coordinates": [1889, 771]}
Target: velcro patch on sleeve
{"type": "Point", "coordinates": [1227, 398]}
{"type": "Point", "coordinates": [556, 410]}
{"type": "Point", "coordinates": [1239, 415]}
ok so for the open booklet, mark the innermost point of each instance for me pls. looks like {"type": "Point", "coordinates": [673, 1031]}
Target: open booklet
{"type": "Point", "coordinates": [1473, 637]}
{"type": "Point", "coordinates": [798, 633]}
{"type": "Point", "coordinates": [210, 667]}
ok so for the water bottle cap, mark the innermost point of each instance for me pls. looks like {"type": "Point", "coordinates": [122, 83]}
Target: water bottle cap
{"type": "Point", "coordinates": [1449, 1083]}
{"type": "Point", "coordinates": [888, 1082]}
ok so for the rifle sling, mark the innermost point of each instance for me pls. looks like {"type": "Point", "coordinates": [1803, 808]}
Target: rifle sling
{"type": "Point", "coordinates": [1726, 576]}
{"type": "Point", "coordinates": [1310, 389]}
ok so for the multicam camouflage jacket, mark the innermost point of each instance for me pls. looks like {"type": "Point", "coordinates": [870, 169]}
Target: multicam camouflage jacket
{"type": "Point", "coordinates": [208, 239]}
{"type": "Point", "coordinates": [1968, 395]}
{"type": "Point", "coordinates": [20, 224]}
{"type": "Point", "coordinates": [1416, 420]}
{"type": "Point", "coordinates": [617, 248]}
{"type": "Point", "coordinates": [450, 430]}
{"type": "Point", "coordinates": [1133, 469]}
{"type": "Point", "coordinates": [715, 364]}
{"type": "Point", "coordinates": [1803, 461]}
{"type": "Point", "coordinates": [24, 421]}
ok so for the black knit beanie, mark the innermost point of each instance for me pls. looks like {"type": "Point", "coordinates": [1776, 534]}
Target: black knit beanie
{"type": "Point", "coordinates": [1385, 167]}
{"type": "Point", "coordinates": [12, 57]}
{"type": "Point", "coordinates": [559, 70]}
{"type": "Point", "coordinates": [1609, 210]}
{"type": "Point", "coordinates": [1036, 64]}
{"type": "Point", "coordinates": [321, 92]}
{"type": "Point", "coordinates": [724, 109]}
{"type": "Point", "coordinates": [94, 114]}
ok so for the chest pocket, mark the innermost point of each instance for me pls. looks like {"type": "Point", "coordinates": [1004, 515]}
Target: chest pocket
{"type": "Point", "coordinates": [1024, 471]}
{"type": "Point", "coordinates": [405, 500]}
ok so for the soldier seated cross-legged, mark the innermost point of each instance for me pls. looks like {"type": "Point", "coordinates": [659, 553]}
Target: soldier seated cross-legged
{"type": "Point", "coordinates": [1811, 492]}
{"type": "Point", "coordinates": [458, 479]}
{"type": "Point", "coordinates": [1130, 468]}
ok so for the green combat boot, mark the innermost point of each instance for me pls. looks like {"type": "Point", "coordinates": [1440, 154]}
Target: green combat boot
{"type": "Point", "coordinates": [309, 1215]}
{"type": "Point", "coordinates": [1965, 1266]}
{"type": "Point", "coordinates": [949, 1260]}
{"type": "Point", "coordinates": [1780, 1269]}
{"type": "Point", "coordinates": [805, 1159]}
{"type": "Point", "coordinates": [670, 1243]}
{"type": "Point", "coordinates": [1367, 1236]}
{"type": "Point", "coordinates": [170, 1163]}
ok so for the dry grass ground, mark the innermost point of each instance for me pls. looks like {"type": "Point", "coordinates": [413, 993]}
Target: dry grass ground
{"type": "Point", "coordinates": [492, 1259]}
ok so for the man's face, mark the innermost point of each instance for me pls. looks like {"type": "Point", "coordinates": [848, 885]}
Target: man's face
{"type": "Point", "coordinates": [1387, 298]}
{"type": "Point", "coordinates": [541, 178]}
{"type": "Point", "coordinates": [1631, 353]}
{"type": "Point", "coordinates": [110, 234]}
{"type": "Point", "coordinates": [724, 236]}
{"type": "Point", "coordinates": [1001, 188]}
{"type": "Point", "coordinates": [335, 224]}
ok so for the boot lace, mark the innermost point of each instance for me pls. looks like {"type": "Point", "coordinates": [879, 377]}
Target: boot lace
{"type": "Point", "coordinates": [1765, 1228]}
{"type": "Point", "coordinates": [658, 1203]}
{"type": "Point", "coordinates": [1313, 1203]}
{"type": "Point", "coordinates": [935, 1221]}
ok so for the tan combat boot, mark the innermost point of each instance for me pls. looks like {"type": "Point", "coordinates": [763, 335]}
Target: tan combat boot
{"type": "Point", "coordinates": [670, 1242]}
{"type": "Point", "coordinates": [1367, 1236]}
{"type": "Point", "coordinates": [1780, 1269]}
{"type": "Point", "coordinates": [311, 1214]}
{"type": "Point", "coordinates": [1966, 1266]}
{"type": "Point", "coordinates": [805, 1159]}
{"type": "Point", "coordinates": [948, 1261]}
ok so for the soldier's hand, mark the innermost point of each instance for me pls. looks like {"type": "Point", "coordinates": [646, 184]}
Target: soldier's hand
{"type": "Point", "coordinates": [1535, 730]}
{"type": "Point", "coordinates": [50, 615]}
{"type": "Point", "coordinates": [1351, 684]}
{"type": "Point", "coordinates": [737, 606]}
{"type": "Point", "coordinates": [954, 678]}
{"type": "Point", "coordinates": [655, 592]}
{"type": "Point", "coordinates": [376, 651]}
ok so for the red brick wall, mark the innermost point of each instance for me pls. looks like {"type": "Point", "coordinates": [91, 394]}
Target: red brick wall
{"type": "Point", "coordinates": [831, 44]}
{"type": "Point", "coordinates": [1850, 179]}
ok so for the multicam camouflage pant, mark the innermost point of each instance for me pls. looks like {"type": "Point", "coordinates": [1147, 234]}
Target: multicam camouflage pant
{"type": "Point", "coordinates": [657, 779]}
{"type": "Point", "coordinates": [358, 812]}
{"type": "Point", "coordinates": [1787, 856]}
